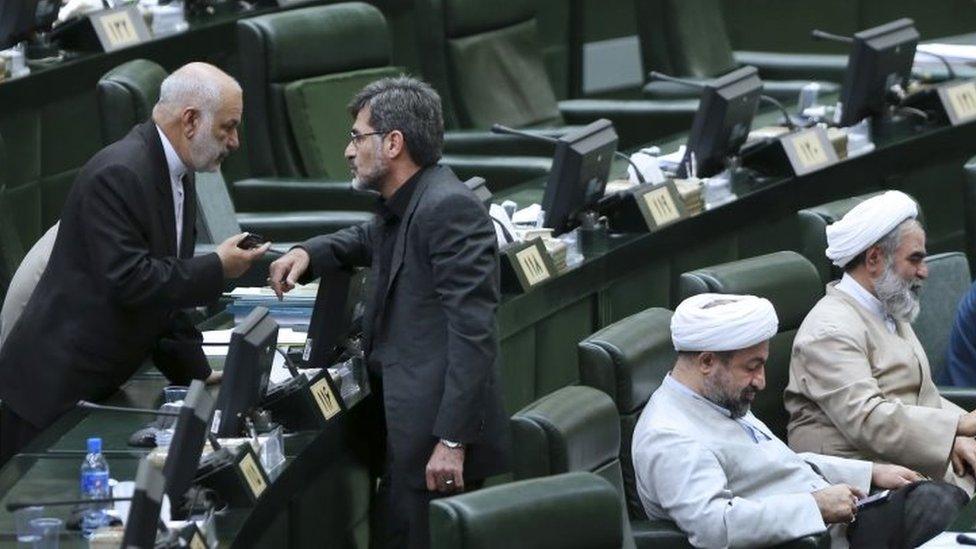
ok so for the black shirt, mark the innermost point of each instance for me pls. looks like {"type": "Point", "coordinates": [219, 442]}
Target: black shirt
{"type": "Point", "coordinates": [391, 211]}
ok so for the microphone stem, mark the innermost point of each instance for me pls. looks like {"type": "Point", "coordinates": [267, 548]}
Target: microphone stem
{"type": "Point", "coordinates": [142, 411]}
{"type": "Point", "coordinates": [15, 505]}
{"type": "Point", "coordinates": [640, 176]}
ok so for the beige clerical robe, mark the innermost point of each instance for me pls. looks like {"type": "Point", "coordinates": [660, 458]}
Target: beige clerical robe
{"type": "Point", "coordinates": [856, 390]}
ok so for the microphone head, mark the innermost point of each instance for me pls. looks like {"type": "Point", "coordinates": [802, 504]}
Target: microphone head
{"type": "Point", "coordinates": [654, 75]}
{"type": "Point", "coordinates": [498, 128]}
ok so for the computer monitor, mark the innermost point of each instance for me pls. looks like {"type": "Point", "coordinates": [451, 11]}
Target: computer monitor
{"type": "Point", "coordinates": [147, 500]}
{"type": "Point", "coordinates": [721, 125]}
{"type": "Point", "coordinates": [246, 372]}
{"type": "Point", "coordinates": [20, 18]}
{"type": "Point", "coordinates": [880, 57]}
{"type": "Point", "coordinates": [336, 303]}
{"type": "Point", "coordinates": [189, 436]}
{"type": "Point", "coordinates": [580, 168]}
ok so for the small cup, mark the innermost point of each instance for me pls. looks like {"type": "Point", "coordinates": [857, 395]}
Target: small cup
{"type": "Point", "coordinates": [48, 532]}
{"type": "Point", "coordinates": [22, 518]}
{"type": "Point", "coordinates": [175, 393]}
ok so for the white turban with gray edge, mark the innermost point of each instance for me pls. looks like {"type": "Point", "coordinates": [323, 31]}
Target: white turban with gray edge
{"type": "Point", "coordinates": [866, 224]}
{"type": "Point", "coordinates": [722, 322]}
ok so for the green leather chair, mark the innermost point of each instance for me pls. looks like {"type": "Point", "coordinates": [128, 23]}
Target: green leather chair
{"type": "Point", "coordinates": [941, 293]}
{"type": "Point", "coordinates": [793, 286]}
{"type": "Point", "coordinates": [487, 61]}
{"type": "Point", "coordinates": [688, 39]}
{"type": "Point", "coordinates": [628, 360]}
{"type": "Point", "coordinates": [126, 96]}
{"type": "Point", "coordinates": [570, 511]}
{"type": "Point", "coordinates": [11, 245]}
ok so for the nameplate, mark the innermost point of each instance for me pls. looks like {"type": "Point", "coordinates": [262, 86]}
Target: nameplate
{"type": "Point", "coordinates": [660, 205]}
{"type": "Point", "coordinates": [252, 474]}
{"type": "Point", "coordinates": [525, 265]}
{"type": "Point", "coordinates": [197, 541]}
{"type": "Point", "coordinates": [959, 101]}
{"type": "Point", "coordinates": [119, 28]}
{"type": "Point", "coordinates": [809, 150]}
{"type": "Point", "coordinates": [324, 397]}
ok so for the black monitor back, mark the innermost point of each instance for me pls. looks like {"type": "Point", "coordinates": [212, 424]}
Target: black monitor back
{"type": "Point", "coordinates": [721, 125]}
{"type": "Point", "coordinates": [189, 436]}
{"type": "Point", "coordinates": [19, 18]}
{"type": "Point", "coordinates": [332, 318]}
{"type": "Point", "coordinates": [246, 371]}
{"type": "Point", "coordinates": [580, 168]}
{"type": "Point", "coordinates": [147, 498]}
{"type": "Point", "coordinates": [880, 57]}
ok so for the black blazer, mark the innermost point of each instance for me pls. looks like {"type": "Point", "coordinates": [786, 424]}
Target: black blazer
{"type": "Point", "coordinates": [438, 338]}
{"type": "Point", "coordinates": [113, 288]}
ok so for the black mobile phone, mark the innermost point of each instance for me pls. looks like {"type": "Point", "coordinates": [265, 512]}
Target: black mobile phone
{"type": "Point", "coordinates": [251, 241]}
{"type": "Point", "coordinates": [873, 499]}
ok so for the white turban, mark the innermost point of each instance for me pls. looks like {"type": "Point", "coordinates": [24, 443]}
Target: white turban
{"type": "Point", "coordinates": [722, 322]}
{"type": "Point", "coordinates": [866, 224]}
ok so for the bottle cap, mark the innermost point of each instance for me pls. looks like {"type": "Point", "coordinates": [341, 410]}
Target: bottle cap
{"type": "Point", "coordinates": [95, 445]}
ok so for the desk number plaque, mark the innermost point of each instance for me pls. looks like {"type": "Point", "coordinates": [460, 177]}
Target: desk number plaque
{"type": "Point", "coordinates": [525, 265]}
{"type": "Point", "coordinates": [325, 397]}
{"type": "Point", "coordinates": [959, 101]}
{"type": "Point", "coordinates": [253, 473]}
{"type": "Point", "coordinates": [660, 205]}
{"type": "Point", "coordinates": [119, 28]}
{"type": "Point", "coordinates": [809, 150]}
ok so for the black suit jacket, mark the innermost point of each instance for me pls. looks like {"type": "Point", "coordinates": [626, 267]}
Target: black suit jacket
{"type": "Point", "coordinates": [437, 340]}
{"type": "Point", "coordinates": [113, 288]}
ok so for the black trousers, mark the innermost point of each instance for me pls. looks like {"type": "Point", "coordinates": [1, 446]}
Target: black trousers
{"type": "Point", "coordinates": [15, 433]}
{"type": "Point", "coordinates": [911, 516]}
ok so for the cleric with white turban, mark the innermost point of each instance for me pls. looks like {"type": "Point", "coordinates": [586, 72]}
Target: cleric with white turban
{"type": "Point", "coordinates": [722, 322]}
{"type": "Point", "coordinates": [866, 224]}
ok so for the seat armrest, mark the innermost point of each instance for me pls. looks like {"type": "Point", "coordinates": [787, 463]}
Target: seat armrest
{"type": "Point", "coordinates": [285, 194]}
{"type": "Point", "coordinates": [637, 121]}
{"type": "Point", "coordinates": [483, 142]}
{"type": "Point", "coordinates": [795, 66]}
{"type": "Point", "coordinates": [963, 397]}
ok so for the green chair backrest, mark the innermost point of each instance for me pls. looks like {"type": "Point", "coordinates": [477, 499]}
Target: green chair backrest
{"type": "Point", "coordinates": [684, 37]}
{"type": "Point", "coordinates": [569, 511]}
{"type": "Point", "coordinates": [793, 286]}
{"type": "Point", "coordinates": [486, 61]}
{"type": "Point", "coordinates": [628, 360]}
{"type": "Point", "coordinates": [575, 428]}
{"type": "Point", "coordinates": [11, 244]}
{"type": "Point", "coordinates": [126, 96]}
{"type": "Point", "coordinates": [302, 68]}
{"type": "Point", "coordinates": [941, 293]}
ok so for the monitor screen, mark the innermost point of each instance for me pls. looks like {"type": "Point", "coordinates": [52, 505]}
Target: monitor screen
{"type": "Point", "coordinates": [19, 18]}
{"type": "Point", "coordinates": [880, 57]}
{"type": "Point", "coordinates": [189, 436]}
{"type": "Point", "coordinates": [722, 123]}
{"type": "Point", "coordinates": [580, 168]}
{"type": "Point", "coordinates": [336, 306]}
{"type": "Point", "coordinates": [147, 499]}
{"type": "Point", "coordinates": [246, 372]}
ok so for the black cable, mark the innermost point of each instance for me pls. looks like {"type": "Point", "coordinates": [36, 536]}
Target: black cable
{"type": "Point", "coordinates": [949, 70]}
{"type": "Point", "coordinates": [786, 115]}
{"type": "Point", "coordinates": [640, 176]}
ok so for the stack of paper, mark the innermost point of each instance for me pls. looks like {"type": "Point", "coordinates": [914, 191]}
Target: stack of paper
{"type": "Point", "coordinates": [295, 310]}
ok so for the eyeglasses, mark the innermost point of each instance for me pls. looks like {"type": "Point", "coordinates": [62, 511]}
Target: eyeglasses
{"type": "Point", "coordinates": [355, 138]}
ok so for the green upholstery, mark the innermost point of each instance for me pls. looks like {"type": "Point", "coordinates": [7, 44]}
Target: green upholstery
{"type": "Point", "coordinates": [628, 361]}
{"type": "Point", "coordinates": [11, 246]}
{"type": "Point", "coordinates": [688, 38]}
{"type": "Point", "coordinates": [569, 511]}
{"type": "Point", "coordinates": [126, 95]}
{"type": "Point", "coordinates": [793, 286]}
{"type": "Point", "coordinates": [941, 293]}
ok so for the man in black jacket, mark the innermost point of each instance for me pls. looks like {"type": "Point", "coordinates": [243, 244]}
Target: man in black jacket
{"type": "Point", "coordinates": [122, 266]}
{"type": "Point", "coordinates": [429, 324]}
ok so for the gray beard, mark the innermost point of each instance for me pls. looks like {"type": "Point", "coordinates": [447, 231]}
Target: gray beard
{"type": "Point", "coordinates": [735, 404]}
{"type": "Point", "coordinates": [898, 297]}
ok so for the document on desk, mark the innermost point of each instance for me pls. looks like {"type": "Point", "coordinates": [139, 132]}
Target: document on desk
{"type": "Point", "coordinates": [954, 53]}
{"type": "Point", "coordinates": [213, 339]}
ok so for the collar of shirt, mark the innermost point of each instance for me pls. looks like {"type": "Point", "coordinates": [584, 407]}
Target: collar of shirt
{"type": "Point", "coordinates": [177, 169]}
{"type": "Point", "coordinates": [394, 208]}
{"type": "Point", "coordinates": [866, 299]}
{"type": "Point", "coordinates": [673, 384]}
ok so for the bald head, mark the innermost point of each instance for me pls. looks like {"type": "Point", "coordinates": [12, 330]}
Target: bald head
{"type": "Point", "coordinates": [199, 110]}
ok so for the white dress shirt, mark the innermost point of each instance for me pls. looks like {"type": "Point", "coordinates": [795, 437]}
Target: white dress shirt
{"type": "Point", "coordinates": [177, 169]}
{"type": "Point", "coordinates": [722, 486]}
{"type": "Point", "coordinates": [867, 300]}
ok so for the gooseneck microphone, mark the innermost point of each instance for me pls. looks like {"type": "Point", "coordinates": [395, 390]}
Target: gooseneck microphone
{"type": "Point", "coordinates": [654, 75]}
{"type": "Point", "coordinates": [950, 72]}
{"type": "Point", "coordinates": [818, 34]}
{"type": "Point", "coordinates": [786, 115]}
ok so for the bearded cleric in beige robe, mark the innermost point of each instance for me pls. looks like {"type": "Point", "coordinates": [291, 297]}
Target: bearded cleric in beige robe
{"type": "Point", "coordinates": [860, 384]}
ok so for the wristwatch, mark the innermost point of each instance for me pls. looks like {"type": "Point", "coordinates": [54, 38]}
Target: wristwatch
{"type": "Point", "coordinates": [453, 445]}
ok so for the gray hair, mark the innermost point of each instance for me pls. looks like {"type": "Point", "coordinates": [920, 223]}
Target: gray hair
{"type": "Point", "coordinates": [410, 106]}
{"type": "Point", "coordinates": [888, 244]}
{"type": "Point", "coordinates": [195, 85]}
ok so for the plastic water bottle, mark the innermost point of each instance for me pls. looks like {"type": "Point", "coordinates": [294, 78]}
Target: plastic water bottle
{"type": "Point", "coordinates": [94, 485]}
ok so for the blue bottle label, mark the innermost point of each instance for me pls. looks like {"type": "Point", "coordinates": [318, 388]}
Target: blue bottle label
{"type": "Point", "coordinates": [94, 483]}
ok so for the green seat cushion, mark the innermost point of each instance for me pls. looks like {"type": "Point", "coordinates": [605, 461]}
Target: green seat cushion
{"type": "Point", "coordinates": [500, 77]}
{"type": "Point", "coordinates": [319, 119]}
